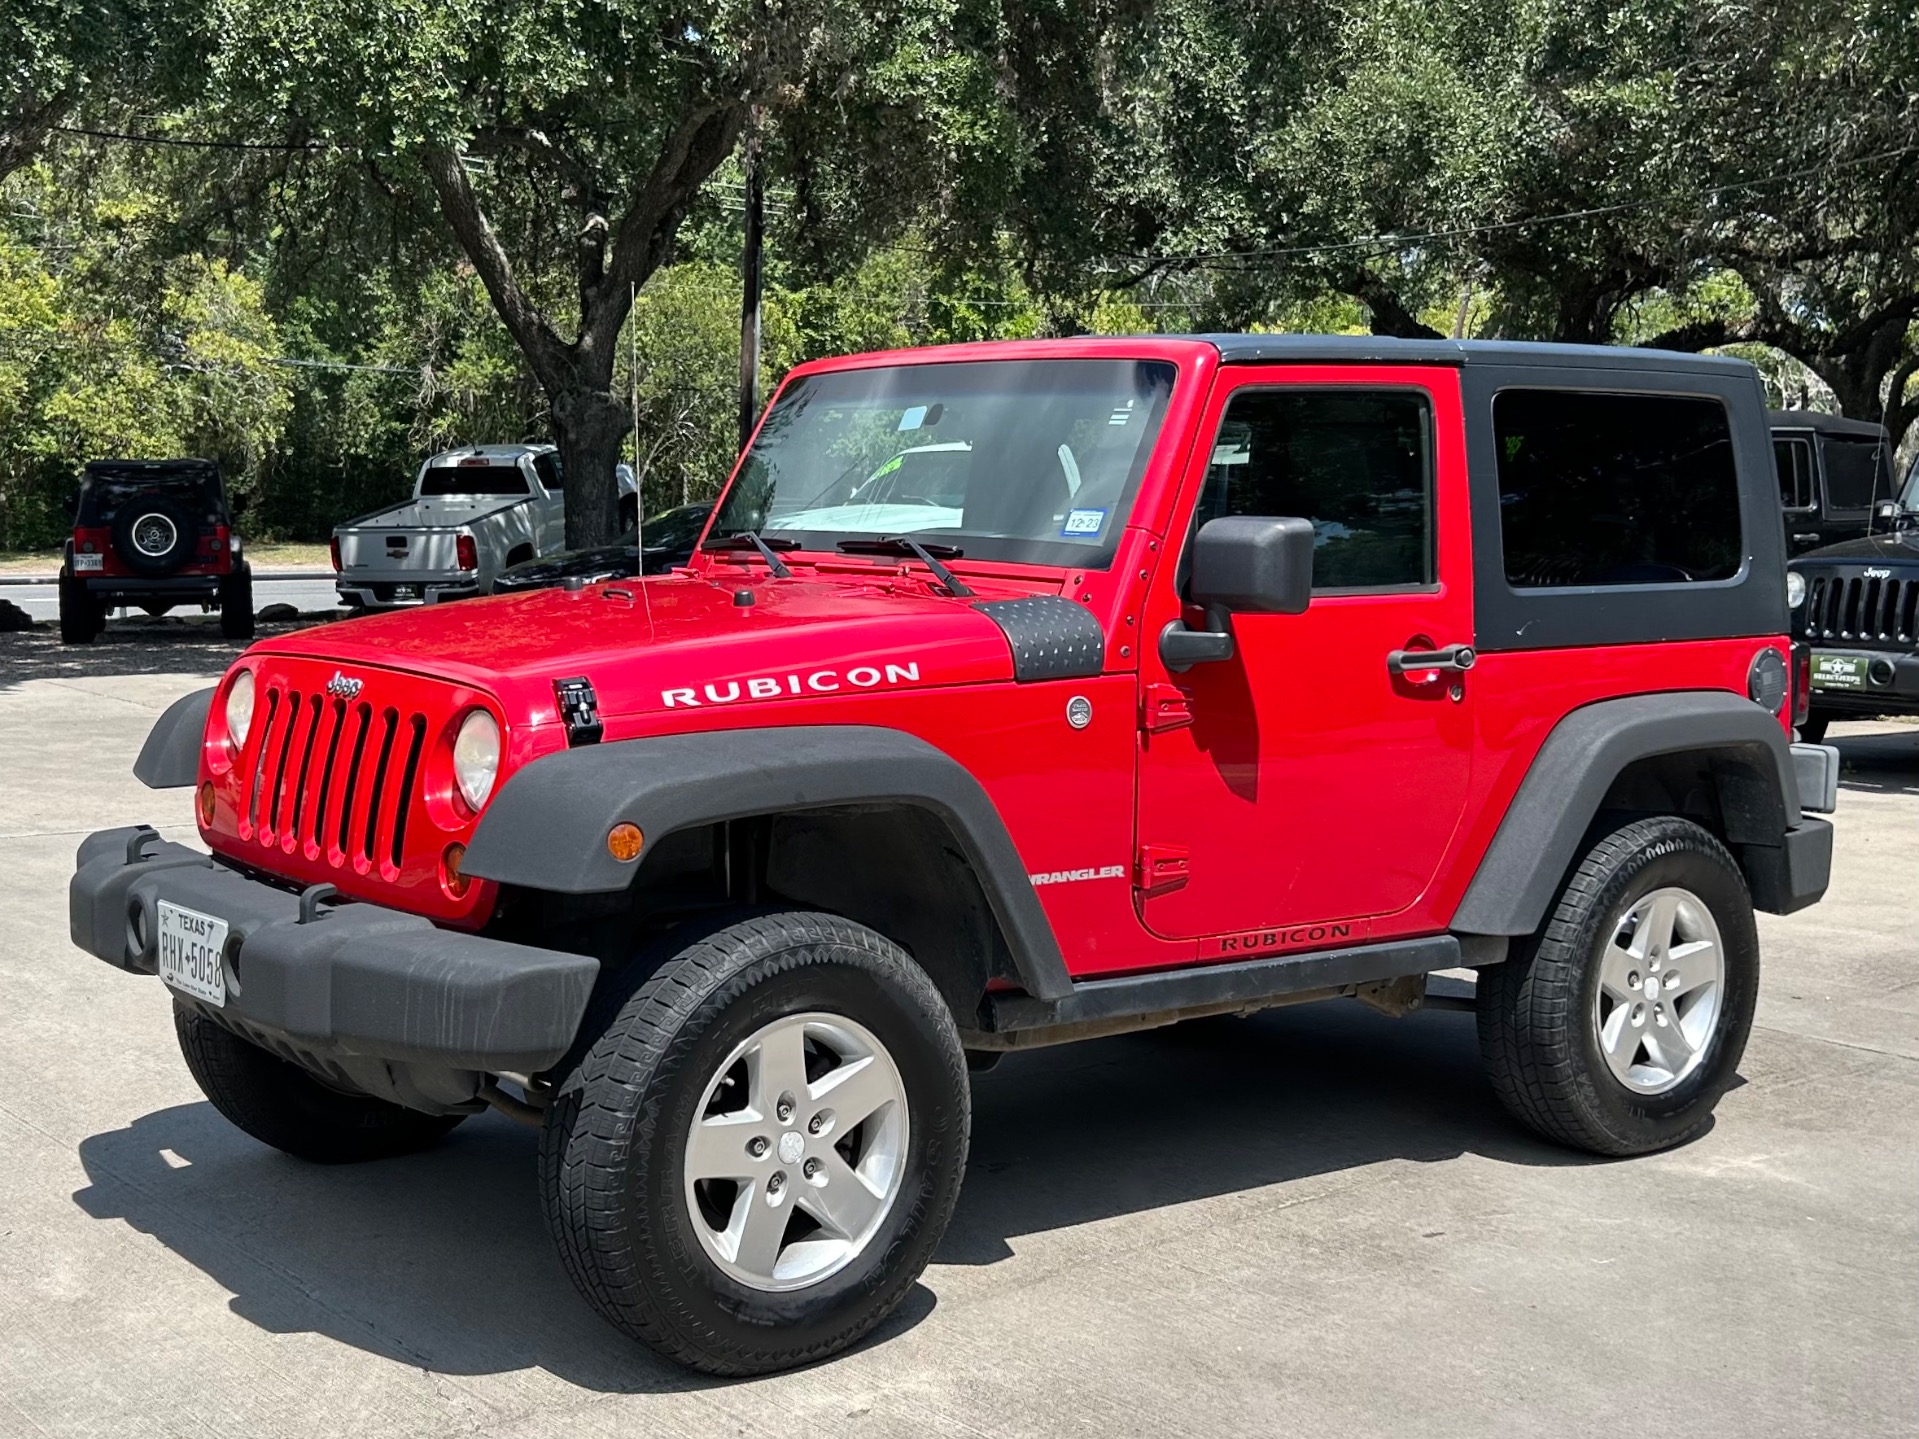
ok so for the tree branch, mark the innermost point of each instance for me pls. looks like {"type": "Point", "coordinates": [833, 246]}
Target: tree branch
{"type": "Point", "coordinates": [538, 340]}
{"type": "Point", "coordinates": [1390, 316]}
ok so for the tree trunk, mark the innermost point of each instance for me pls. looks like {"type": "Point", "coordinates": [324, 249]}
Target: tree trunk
{"type": "Point", "coordinates": [589, 426]}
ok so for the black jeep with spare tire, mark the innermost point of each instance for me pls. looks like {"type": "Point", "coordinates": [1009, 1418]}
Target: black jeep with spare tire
{"type": "Point", "coordinates": [155, 534]}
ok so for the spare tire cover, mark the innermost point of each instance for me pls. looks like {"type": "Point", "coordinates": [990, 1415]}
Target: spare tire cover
{"type": "Point", "coordinates": [154, 535]}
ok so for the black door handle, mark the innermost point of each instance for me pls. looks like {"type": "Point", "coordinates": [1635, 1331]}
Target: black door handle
{"type": "Point", "coordinates": [1459, 658]}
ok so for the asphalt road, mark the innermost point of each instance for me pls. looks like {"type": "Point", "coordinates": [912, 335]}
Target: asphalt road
{"type": "Point", "coordinates": [1316, 1222]}
{"type": "Point", "coordinates": [309, 594]}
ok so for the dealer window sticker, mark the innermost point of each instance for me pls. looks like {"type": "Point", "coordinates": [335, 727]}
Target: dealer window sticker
{"type": "Point", "coordinates": [1080, 523]}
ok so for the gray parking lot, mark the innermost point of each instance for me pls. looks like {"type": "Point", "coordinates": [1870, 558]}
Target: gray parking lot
{"type": "Point", "coordinates": [1315, 1222]}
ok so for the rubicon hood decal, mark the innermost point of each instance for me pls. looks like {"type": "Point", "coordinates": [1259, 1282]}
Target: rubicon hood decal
{"type": "Point", "coordinates": [794, 682]}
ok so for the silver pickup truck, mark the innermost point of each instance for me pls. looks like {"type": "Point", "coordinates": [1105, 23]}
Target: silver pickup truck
{"type": "Point", "coordinates": [473, 513]}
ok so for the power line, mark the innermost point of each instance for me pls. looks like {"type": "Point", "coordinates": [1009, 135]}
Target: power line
{"type": "Point", "coordinates": [177, 143]}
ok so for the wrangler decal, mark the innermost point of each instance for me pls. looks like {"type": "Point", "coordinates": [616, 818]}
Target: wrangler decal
{"type": "Point", "coordinates": [1074, 876]}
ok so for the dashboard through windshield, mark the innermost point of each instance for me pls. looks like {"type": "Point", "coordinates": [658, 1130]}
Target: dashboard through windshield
{"type": "Point", "coordinates": [1030, 461]}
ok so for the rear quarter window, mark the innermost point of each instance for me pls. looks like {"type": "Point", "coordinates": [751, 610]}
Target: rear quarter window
{"type": "Point", "coordinates": [472, 479]}
{"type": "Point", "coordinates": [1599, 489]}
{"type": "Point", "coordinates": [1853, 467]}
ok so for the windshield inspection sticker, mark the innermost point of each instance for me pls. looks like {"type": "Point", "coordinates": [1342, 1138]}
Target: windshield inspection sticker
{"type": "Point", "coordinates": [1084, 522]}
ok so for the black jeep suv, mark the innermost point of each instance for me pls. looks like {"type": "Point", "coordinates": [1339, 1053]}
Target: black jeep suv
{"type": "Point", "coordinates": [1857, 605]}
{"type": "Point", "coordinates": [152, 533]}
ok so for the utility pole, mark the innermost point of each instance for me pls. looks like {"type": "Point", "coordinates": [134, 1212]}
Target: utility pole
{"type": "Point", "coordinates": [750, 286]}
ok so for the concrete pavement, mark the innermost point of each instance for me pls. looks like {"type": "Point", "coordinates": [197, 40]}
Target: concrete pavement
{"type": "Point", "coordinates": [1314, 1222]}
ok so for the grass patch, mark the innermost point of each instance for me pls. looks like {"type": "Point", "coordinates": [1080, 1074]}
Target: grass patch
{"type": "Point", "coordinates": [264, 556]}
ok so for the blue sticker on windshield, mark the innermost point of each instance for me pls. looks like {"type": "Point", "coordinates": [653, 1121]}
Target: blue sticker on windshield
{"type": "Point", "coordinates": [1084, 522]}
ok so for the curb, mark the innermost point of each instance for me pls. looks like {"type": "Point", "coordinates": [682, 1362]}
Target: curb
{"type": "Point", "coordinates": [260, 577]}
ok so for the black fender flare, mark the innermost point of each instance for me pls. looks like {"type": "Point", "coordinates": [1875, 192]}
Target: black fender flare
{"type": "Point", "coordinates": [1538, 841]}
{"type": "Point", "coordinates": [547, 827]}
{"type": "Point", "coordinates": [170, 758]}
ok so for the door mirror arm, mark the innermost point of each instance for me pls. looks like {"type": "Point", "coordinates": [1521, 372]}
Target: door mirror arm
{"type": "Point", "coordinates": [1181, 648]}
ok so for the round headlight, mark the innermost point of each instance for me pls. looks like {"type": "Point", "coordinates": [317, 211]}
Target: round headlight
{"type": "Point", "coordinates": [476, 757]}
{"type": "Point", "coordinates": [1795, 589]}
{"type": "Point", "coordinates": [240, 709]}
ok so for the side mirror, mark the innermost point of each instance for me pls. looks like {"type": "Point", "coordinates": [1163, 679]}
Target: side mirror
{"type": "Point", "coordinates": [1247, 564]}
{"type": "Point", "coordinates": [1254, 565]}
{"type": "Point", "coordinates": [70, 502]}
{"type": "Point", "coordinates": [1887, 512]}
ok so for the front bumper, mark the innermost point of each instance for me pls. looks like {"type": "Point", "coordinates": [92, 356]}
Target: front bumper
{"type": "Point", "coordinates": [1892, 683]}
{"type": "Point", "coordinates": [355, 991]}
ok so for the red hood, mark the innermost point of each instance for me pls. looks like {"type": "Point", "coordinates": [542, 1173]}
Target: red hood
{"type": "Point", "coordinates": [646, 643]}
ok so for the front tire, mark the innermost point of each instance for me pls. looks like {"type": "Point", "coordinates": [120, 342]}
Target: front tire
{"type": "Point", "coordinates": [282, 1105]}
{"type": "Point", "coordinates": [1619, 1025]}
{"type": "Point", "coordinates": [758, 1153]}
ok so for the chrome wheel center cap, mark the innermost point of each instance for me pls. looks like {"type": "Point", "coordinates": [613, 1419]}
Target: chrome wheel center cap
{"type": "Point", "coordinates": [792, 1146]}
{"type": "Point", "coordinates": [1651, 986]}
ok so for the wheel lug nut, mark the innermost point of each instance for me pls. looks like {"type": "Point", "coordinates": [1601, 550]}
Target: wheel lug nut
{"type": "Point", "coordinates": [812, 1168]}
{"type": "Point", "coordinates": [784, 1109]}
{"type": "Point", "coordinates": [815, 1125]}
{"type": "Point", "coordinates": [776, 1184]}
{"type": "Point", "coordinates": [757, 1147]}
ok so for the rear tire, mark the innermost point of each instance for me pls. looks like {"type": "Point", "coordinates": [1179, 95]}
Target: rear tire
{"type": "Point", "coordinates": [677, 1260]}
{"type": "Point", "coordinates": [81, 617]}
{"type": "Point", "coordinates": [282, 1105]}
{"type": "Point", "coordinates": [1593, 1032]}
{"type": "Point", "coordinates": [236, 604]}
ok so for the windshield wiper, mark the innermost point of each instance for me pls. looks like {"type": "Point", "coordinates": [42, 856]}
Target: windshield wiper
{"type": "Point", "coordinates": [925, 554]}
{"type": "Point", "coordinates": [747, 540]}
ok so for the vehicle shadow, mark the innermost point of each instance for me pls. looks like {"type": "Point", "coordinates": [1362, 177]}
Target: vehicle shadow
{"type": "Point", "coordinates": [1884, 762]}
{"type": "Point", "coordinates": [141, 645]}
{"type": "Point", "coordinates": [440, 1261]}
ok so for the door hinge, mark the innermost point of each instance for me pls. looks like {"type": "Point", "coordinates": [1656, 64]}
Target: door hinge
{"type": "Point", "coordinates": [1161, 867]}
{"type": "Point", "coordinates": [1164, 707]}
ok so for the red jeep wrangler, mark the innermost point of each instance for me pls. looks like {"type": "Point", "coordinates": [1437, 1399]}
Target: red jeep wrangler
{"type": "Point", "coordinates": [1019, 693]}
{"type": "Point", "coordinates": [152, 533]}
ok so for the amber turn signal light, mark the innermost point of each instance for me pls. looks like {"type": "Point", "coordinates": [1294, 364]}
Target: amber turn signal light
{"type": "Point", "coordinates": [456, 883]}
{"type": "Point", "coordinates": [623, 842]}
{"type": "Point", "coordinates": [206, 804]}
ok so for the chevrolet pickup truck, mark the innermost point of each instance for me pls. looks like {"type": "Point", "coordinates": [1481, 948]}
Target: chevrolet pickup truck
{"type": "Point", "coordinates": [474, 512]}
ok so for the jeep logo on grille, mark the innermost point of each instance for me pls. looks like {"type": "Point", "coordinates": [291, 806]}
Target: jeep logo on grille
{"type": "Point", "coordinates": [1878, 574]}
{"type": "Point", "coordinates": [342, 688]}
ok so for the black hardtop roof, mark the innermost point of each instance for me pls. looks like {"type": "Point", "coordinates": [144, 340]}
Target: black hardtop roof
{"type": "Point", "coordinates": [150, 469]}
{"type": "Point", "coordinates": [1825, 424]}
{"type": "Point", "coordinates": [1385, 349]}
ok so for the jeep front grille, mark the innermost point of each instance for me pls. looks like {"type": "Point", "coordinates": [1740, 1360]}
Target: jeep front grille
{"type": "Point", "coordinates": [1872, 614]}
{"type": "Point", "coordinates": [334, 778]}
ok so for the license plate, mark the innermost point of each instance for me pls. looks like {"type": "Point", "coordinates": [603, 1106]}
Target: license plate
{"type": "Point", "coordinates": [191, 946]}
{"type": "Point", "coordinates": [1839, 672]}
{"type": "Point", "coordinates": [406, 592]}
{"type": "Point", "coordinates": [89, 562]}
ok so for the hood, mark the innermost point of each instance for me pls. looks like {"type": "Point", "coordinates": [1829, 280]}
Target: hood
{"type": "Point", "coordinates": [680, 641]}
{"type": "Point", "coordinates": [1901, 547]}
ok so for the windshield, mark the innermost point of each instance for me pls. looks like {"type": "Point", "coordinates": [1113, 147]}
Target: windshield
{"type": "Point", "coordinates": [1910, 499]}
{"type": "Point", "coordinates": [108, 487]}
{"type": "Point", "coordinates": [1033, 461]}
{"type": "Point", "coordinates": [473, 477]}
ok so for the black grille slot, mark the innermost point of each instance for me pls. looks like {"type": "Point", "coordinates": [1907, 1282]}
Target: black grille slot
{"type": "Point", "coordinates": [407, 778]}
{"type": "Point", "coordinates": [260, 759]}
{"type": "Point", "coordinates": [277, 804]}
{"type": "Point", "coordinates": [379, 781]}
{"type": "Point", "coordinates": [364, 714]}
{"type": "Point", "coordinates": [327, 772]}
{"type": "Point", "coordinates": [317, 709]}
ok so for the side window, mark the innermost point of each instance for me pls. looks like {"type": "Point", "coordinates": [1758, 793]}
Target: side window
{"type": "Point", "coordinates": [1852, 473]}
{"type": "Point", "coordinates": [1356, 463]}
{"type": "Point", "coordinates": [552, 474]}
{"type": "Point", "coordinates": [1793, 457]}
{"type": "Point", "coordinates": [1606, 489]}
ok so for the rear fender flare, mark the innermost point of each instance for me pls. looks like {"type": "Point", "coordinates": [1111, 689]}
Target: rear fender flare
{"type": "Point", "coordinates": [1538, 841]}
{"type": "Point", "coordinates": [547, 827]}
